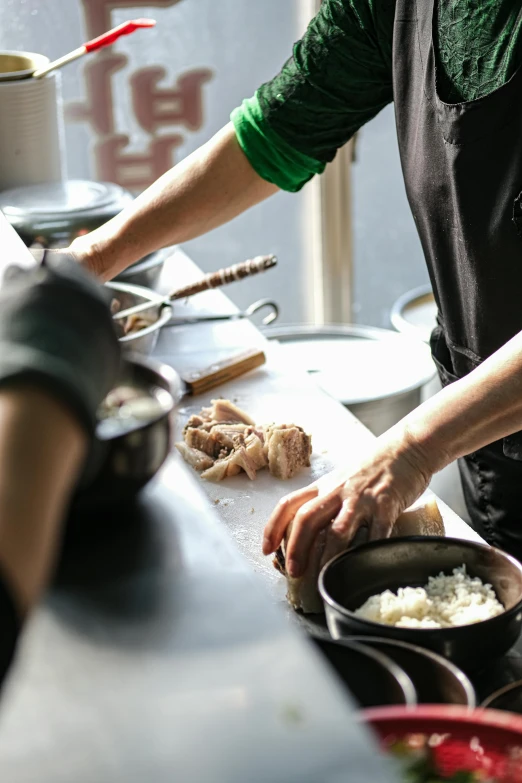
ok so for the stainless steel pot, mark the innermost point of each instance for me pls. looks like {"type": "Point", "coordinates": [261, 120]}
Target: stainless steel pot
{"type": "Point", "coordinates": [52, 214]}
{"type": "Point", "coordinates": [144, 340]}
{"type": "Point", "coordinates": [376, 373]}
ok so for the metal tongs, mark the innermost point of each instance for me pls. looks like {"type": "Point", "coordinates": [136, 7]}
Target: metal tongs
{"type": "Point", "coordinates": [230, 274]}
{"type": "Point", "coordinates": [255, 307]}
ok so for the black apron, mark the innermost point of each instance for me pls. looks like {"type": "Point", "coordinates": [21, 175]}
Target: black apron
{"type": "Point", "coordinates": [462, 166]}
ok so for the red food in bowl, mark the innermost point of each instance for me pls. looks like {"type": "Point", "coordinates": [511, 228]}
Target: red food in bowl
{"type": "Point", "coordinates": [485, 742]}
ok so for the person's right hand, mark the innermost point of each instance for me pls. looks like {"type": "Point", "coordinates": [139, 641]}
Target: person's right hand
{"type": "Point", "coordinates": [391, 478]}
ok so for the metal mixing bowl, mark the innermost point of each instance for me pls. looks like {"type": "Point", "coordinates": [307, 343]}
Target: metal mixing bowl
{"type": "Point", "coordinates": [352, 577]}
{"type": "Point", "coordinates": [435, 679]}
{"type": "Point", "coordinates": [372, 678]}
{"type": "Point", "coordinates": [124, 459]}
{"type": "Point", "coordinates": [128, 295]}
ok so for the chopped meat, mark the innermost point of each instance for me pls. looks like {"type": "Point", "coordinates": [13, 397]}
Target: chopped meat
{"type": "Point", "coordinates": [197, 459]}
{"type": "Point", "coordinates": [288, 449]}
{"type": "Point", "coordinates": [231, 443]}
{"type": "Point", "coordinates": [255, 449]}
{"type": "Point", "coordinates": [225, 411]}
{"type": "Point", "coordinates": [137, 322]}
{"type": "Point", "coordinates": [222, 468]}
{"type": "Point", "coordinates": [237, 428]}
{"type": "Point", "coordinates": [194, 421]}
{"type": "Point", "coordinates": [231, 465]}
{"type": "Point", "coordinates": [212, 443]}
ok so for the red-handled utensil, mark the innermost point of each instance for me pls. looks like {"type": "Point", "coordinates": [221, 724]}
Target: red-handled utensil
{"type": "Point", "coordinates": [107, 39]}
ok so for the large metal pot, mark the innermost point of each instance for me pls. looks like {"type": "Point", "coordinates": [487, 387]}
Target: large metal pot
{"type": "Point", "coordinates": [54, 214]}
{"type": "Point", "coordinates": [376, 373]}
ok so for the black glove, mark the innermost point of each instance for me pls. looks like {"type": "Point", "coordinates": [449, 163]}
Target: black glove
{"type": "Point", "coordinates": [57, 333]}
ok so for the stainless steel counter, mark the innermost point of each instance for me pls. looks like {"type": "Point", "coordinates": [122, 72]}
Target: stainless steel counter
{"type": "Point", "coordinates": [158, 655]}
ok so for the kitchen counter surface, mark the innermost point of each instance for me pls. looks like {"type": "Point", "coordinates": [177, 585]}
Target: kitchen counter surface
{"type": "Point", "coordinates": [159, 656]}
{"type": "Point", "coordinates": [165, 650]}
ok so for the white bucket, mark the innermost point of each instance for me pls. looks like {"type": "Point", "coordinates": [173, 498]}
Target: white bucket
{"type": "Point", "coordinates": [32, 148]}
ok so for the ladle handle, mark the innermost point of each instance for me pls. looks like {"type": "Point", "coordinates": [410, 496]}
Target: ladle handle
{"type": "Point", "coordinates": [107, 39]}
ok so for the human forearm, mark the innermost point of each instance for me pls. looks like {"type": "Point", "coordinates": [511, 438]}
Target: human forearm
{"type": "Point", "coordinates": [42, 447]}
{"type": "Point", "coordinates": [207, 189]}
{"type": "Point", "coordinates": [482, 407]}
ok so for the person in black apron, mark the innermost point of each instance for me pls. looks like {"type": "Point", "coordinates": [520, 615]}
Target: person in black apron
{"type": "Point", "coordinates": [462, 167]}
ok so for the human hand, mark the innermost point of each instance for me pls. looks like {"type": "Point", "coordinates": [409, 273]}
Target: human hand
{"type": "Point", "coordinates": [388, 481]}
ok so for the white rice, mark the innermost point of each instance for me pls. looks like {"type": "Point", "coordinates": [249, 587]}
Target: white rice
{"type": "Point", "coordinates": [444, 602]}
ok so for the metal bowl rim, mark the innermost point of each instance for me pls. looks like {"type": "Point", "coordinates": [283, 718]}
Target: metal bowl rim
{"type": "Point", "coordinates": [164, 315]}
{"type": "Point", "coordinates": [175, 392]}
{"type": "Point", "coordinates": [167, 372]}
{"type": "Point", "coordinates": [445, 663]}
{"type": "Point", "coordinates": [512, 686]}
{"type": "Point", "coordinates": [398, 673]}
{"type": "Point", "coordinates": [441, 632]}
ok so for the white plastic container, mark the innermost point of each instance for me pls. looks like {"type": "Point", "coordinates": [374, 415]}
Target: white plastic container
{"type": "Point", "coordinates": [32, 147]}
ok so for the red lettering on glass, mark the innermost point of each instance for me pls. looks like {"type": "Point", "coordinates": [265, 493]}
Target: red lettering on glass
{"type": "Point", "coordinates": [155, 107]}
{"type": "Point", "coordinates": [134, 171]}
{"type": "Point", "coordinates": [98, 108]}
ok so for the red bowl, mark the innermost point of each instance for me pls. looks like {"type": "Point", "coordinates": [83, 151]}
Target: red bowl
{"type": "Point", "coordinates": [487, 742]}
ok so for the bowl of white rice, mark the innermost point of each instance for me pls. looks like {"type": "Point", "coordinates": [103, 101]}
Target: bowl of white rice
{"type": "Point", "coordinates": [459, 598]}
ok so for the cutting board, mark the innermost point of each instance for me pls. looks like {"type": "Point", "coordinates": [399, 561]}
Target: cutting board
{"type": "Point", "coordinates": [339, 440]}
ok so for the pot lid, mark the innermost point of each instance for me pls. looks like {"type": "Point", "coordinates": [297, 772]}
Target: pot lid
{"type": "Point", "coordinates": [73, 197]}
{"type": "Point", "coordinates": [356, 364]}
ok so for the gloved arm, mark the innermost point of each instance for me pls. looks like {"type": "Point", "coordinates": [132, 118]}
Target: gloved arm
{"type": "Point", "coordinates": [59, 356]}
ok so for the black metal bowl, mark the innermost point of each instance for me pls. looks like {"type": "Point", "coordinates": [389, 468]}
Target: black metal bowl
{"type": "Point", "coordinates": [435, 679]}
{"type": "Point", "coordinates": [352, 577]}
{"type": "Point", "coordinates": [372, 678]}
{"type": "Point", "coordinates": [124, 459]}
{"type": "Point", "coordinates": [508, 698]}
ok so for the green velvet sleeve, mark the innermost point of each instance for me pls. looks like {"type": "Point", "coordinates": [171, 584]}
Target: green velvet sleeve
{"type": "Point", "coordinates": [338, 78]}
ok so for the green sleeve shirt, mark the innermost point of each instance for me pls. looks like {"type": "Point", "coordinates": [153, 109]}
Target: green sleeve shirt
{"type": "Point", "coordinates": [340, 77]}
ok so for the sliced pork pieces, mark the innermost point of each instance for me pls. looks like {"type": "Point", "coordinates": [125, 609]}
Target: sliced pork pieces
{"type": "Point", "coordinates": [222, 441]}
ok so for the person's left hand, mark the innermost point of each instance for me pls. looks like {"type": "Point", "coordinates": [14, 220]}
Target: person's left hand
{"type": "Point", "coordinates": [390, 479]}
